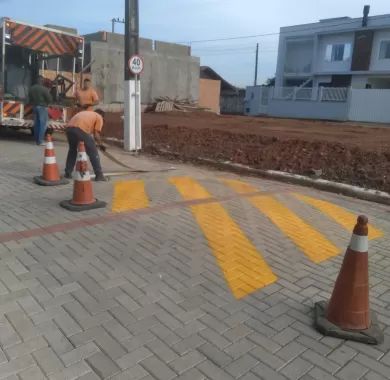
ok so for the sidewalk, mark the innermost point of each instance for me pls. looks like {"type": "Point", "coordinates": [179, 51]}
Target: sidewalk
{"type": "Point", "coordinates": [164, 283]}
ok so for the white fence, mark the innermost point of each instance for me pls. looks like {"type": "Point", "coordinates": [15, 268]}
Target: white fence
{"type": "Point", "coordinates": [326, 103]}
{"type": "Point", "coordinates": [369, 105]}
{"type": "Point", "coordinates": [315, 94]}
{"type": "Point", "coordinates": [257, 99]}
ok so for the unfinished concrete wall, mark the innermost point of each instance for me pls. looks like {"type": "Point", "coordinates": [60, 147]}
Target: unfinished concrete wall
{"type": "Point", "coordinates": [175, 50]}
{"type": "Point", "coordinates": [169, 70]}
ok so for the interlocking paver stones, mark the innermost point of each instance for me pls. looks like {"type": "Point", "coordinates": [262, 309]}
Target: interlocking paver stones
{"type": "Point", "coordinates": [187, 344]}
{"type": "Point", "coordinates": [342, 355]}
{"type": "Point", "coordinates": [241, 366]}
{"type": "Point", "coordinates": [26, 348]}
{"type": "Point", "coordinates": [319, 374]}
{"type": "Point", "coordinates": [73, 372]}
{"type": "Point", "coordinates": [48, 361]}
{"type": "Point", "coordinates": [213, 372]}
{"type": "Point", "coordinates": [240, 348]}
{"type": "Point", "coordinates": [192, 374]}
{"type": "Point", "coordinates": [374, 376]}
{"type": "Point", "coordinates": [80, 353]}
{"type": "Point", "coordinates": [133, 358]}
{"type": "Point", "coordinates": [320, 361]}
{"type": "Point", "coordinates": [265, 373]}
{"type": "Point", "coordinates": [296, 369]}
{"type": "Point", "coordinates": [214, 354]}
{"type": "Point", "coordinates": [141, 296]}
{"type": "Point", "coordinates": [187, 361]}
{"type": "Point", "coordinates": [352, 371]}
{"type": "Point", "coordinates": [33, 373]}
{"type": "Point", "coordinates": [56, 339]}
{"type": "Point", "coordinates": [22, 325]}
{"type": "Point", "coordinates": [157, 368]}
{"type": "Point", "coordinates": [103, 365]}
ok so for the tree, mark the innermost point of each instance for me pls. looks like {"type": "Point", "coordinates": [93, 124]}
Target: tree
{"type": "Point", "coordinates": [270, 82]}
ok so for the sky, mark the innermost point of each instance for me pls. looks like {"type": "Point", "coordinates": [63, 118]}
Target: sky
{"type": "Point", "coordinates": [194, 20]}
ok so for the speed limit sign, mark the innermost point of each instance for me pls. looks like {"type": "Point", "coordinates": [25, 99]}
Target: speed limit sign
{"type": "Point", "coordinates": [136, 64]}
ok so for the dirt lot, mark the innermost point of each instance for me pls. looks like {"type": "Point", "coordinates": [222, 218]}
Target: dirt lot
{"type": "Point", "coordinates": [345, 152]}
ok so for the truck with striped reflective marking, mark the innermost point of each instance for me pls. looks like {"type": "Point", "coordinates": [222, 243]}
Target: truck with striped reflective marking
{"type": "Point", "coordinates": [27, 51]}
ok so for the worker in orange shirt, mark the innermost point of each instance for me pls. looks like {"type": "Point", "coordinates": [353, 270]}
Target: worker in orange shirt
{"type": "Point", "coordinates": [87, 97]}
{"type": "Point", "coordinates": [85, 126]}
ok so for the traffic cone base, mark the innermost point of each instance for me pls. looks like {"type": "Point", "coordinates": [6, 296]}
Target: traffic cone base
{"type": "Point", "coordinates": [83, 199]}
{"type": "Point", "coordinates": [372, 335]}
{"type": "Point", "coordinates": [50, 173]}
{"type": "Point", "coordinates": [42, 182]}
{"type": "Point", "coordinates": [70, 206]}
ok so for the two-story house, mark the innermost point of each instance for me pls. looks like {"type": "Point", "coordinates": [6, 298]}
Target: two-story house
{"type": "Point", "coordinates": [338, 52]}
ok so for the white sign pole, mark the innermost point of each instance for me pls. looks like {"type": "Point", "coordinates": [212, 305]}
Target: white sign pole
{"type": "Point", "coordinates": [129, 117]}
{"type": "Point", "coordinates": [138, 113]}
{"type": "Point", "coordinates": [133, 63]}
{"type": "Point", "coordinates": [133, 125]}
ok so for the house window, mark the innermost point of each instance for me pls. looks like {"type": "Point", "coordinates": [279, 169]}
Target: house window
{"type": "Point", "coordinates": [338, 52]}
{"type": "Point", "coordinates": [384, 52]}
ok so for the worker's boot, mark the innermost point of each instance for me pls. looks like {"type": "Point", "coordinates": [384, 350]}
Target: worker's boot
{"type": "Point", "coordinates": [101, 178]}
{"type": "Point", "coordinates": [68, 175]}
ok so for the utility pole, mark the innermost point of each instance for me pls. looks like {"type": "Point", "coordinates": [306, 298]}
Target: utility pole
{"type": "Point", "coordinates": [115, 21]}
{"type": "Point", "coordinates": [132, 97]}
{"type": "Point", "coordinates": [257, 63]}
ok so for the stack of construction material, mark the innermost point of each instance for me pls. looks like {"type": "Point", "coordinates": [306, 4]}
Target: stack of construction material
{"type": "Point", "coordinates": [166, 104]}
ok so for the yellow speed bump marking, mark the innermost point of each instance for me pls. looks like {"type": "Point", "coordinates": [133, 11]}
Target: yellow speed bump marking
{"type": "Point", "coordinates": [239, 186]}
{"type": "Point", "coordinates": [244, 268]}
{"type": "Point", "coordinates": [129, 195]}
{"type": "Point", "coordinates": [338, 214]}
{"type": "Point", "coordinates": [315, 246]}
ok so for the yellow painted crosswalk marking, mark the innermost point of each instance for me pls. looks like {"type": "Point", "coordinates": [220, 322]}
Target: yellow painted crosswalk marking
{"type": "Point", "coordinates": [316, 246]}
{"type": "Point", "coordinates": [241, 263]}
{"type": "Point", "coordinates": [338, 214]}
{"type": "Point", "coordinates": [129, 195]}
{"type": "Point", "coordinates": [240, 187]}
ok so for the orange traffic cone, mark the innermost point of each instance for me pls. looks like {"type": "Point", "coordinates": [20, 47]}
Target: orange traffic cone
{"type": "Point", "coordinates": [348, 315]}
{"type": "Point", "coordinates": [50, 173]}
{"type": "Point", "coordinates": [83, 198]}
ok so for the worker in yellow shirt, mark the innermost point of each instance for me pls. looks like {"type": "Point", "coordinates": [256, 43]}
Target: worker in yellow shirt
{"type": "Point", "coordinates": [87, 97]}
{"type": "Point", "coordinates": [85, 126]}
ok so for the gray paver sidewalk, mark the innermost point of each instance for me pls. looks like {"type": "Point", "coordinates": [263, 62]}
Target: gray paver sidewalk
{"type": "Point", "coordinates": [144, 297]}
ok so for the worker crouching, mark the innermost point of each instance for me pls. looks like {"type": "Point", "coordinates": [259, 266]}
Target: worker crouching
{"type": "Point", "coordinates": [85, 126]}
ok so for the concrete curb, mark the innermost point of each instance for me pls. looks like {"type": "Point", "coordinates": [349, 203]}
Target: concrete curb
{"type": "Point", "coordinates": [296, 179]}
{"type": "Point", "coordinates": [320, 184]}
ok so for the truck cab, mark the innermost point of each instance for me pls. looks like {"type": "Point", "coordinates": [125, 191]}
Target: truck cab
{"type": "Point", "coordinates": [27, 51]}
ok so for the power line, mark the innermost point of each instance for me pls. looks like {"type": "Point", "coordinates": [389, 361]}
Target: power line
{"type": "Point", "coordinates": [223, 47]}
{"type": "Point", "coordinates": [274, 34]}
{"type": "Point", "coordinates": [235, 53]}
{"type": "Point", "coordinates": [230, 38]}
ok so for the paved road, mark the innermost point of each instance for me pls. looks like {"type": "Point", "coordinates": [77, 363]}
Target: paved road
{"type": "Point", "coordinates": [188, 274]}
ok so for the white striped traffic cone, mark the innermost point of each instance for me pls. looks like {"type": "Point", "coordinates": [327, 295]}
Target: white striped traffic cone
{"type": "Point", "coordinates": [50, 172]}
{"type": "Point", "coordinates": [83, 198]}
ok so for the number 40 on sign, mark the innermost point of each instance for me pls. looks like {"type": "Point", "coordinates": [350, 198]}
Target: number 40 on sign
{"type": "Point", "coordinates": [136, 64]}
